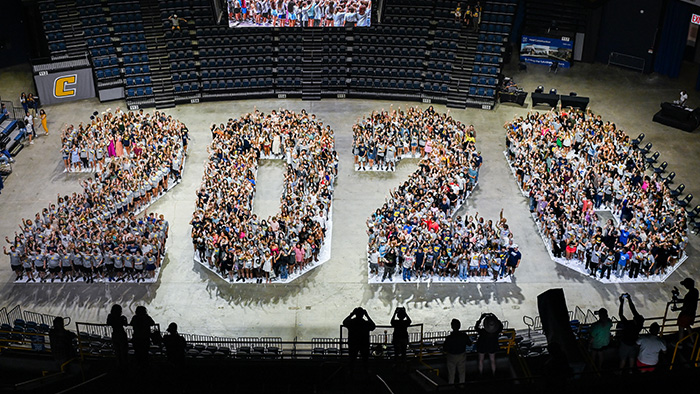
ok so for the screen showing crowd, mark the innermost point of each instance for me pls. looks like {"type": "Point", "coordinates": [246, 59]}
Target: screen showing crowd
{"type": "Point", "coordinates": [299, 13]}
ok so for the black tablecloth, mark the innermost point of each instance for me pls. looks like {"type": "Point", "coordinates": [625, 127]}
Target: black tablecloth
{"type": "Point", "coordinates": [540, 98]}
{"type": "Point", "coordinates": [513, 97]}
{"type": "Point", "coordinates": [575, 102]}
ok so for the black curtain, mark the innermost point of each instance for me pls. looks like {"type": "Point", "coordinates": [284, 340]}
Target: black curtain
{"type": "Point", "coordinates": [674, 36]}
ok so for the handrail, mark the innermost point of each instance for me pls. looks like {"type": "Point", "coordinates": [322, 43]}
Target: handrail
{"type": "Point", "coordinates": [14, 314]}
{"type": "Point", "coordinates": [301, 348]}
{"type": "Point", "coordinates": [83, 383]}
{"type": "Point", "coordinates": [26, 342]}
{"type": "Point", "coordinates": [65, 364]}
{"type": "Point", "coordinates": [385, 384]}
{"type": "Point", "coordinates": [3, 316]}
{"type": "Point", "coordinates": [678, 344]}
{"type": "Point", "coordinates": [80, 336]}
{"type": "Point", "coordinates": [374, 338]}
{"type": "Point", "coordinates": [530, 323]}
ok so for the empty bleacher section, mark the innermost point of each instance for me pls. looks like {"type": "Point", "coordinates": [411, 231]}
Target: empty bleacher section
{"type": "Point", "coordinates": [101, 44]}
{"type": "Point", "coordinates": [334, 60]}
{"type": "Point", "coordinates": [390, 60]}
{"type": "Point", "coordinates": [418, 52]}
{"type": "Point", "coordinates": [239, 63]}
{"type": "Point", "coordinates": [62, 24]}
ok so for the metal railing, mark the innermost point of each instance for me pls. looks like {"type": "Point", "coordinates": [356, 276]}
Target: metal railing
{"type": "Point", "coordinates": [94, 341]}
{"type": "Point", "coordinates": [3, 316]}
{"type": "Point", "coordinates": [24, 340]}
{"type": "Point", "coordinates": [16, 314]}
{"type": "Point", "coordinates": [694, 355]}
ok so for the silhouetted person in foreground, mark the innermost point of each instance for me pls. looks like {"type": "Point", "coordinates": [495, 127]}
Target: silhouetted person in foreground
{"type": "Point", "coordinates": [141, 323]}
{"type": "Point", "coordinates": [455, 347]}
{"type": "Point", "coordinates": [359, 325]}
{"type": "Point", "coordinates": [400, 321]}
{"type": "Point", "coordinates": [686, 317]}
{"type": "Point", "coordinates": [489, 329]}
{"type": "Point", "coordinates": [120, 342]}
{"type": "Point", "coordinates": [61, 341]}
{"type": "Point", "coordinates": [175, 345]}
{"type": "Point", "coordinates": [627, 333]}
{"type": "Point", "coordinates": [650, 347]}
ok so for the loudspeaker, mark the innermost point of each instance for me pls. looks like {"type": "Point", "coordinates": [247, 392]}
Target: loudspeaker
{"type": "Point", "coordinates": [554, 316]}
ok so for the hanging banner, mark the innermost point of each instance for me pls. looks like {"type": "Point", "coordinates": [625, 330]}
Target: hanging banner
{"type": "Point", "coordinates": [64, 86]}
{"type": "Point", "coordinates": [546, 50]}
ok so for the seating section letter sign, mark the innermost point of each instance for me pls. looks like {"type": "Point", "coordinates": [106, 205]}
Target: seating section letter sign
{"type": "Point", "coordinates": [64, 86]}
{"type": "Point", "coordinates": [60, 86]}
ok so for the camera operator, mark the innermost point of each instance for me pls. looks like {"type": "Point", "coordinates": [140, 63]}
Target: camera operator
{"type": "Point", "coordinates": [400, 321]}
{"type": "Point", "coordinates": [359, 325]}
{"type": "Point", "coordinates": [686, 317]}
{"type": "Point", "coordinates": [628, 333]}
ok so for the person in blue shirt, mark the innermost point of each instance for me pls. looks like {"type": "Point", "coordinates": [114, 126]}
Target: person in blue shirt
{"type": "Point", "coordinates": [382, 249]}
{"type": "Point", "coordinates": [472, 176]}
{"type": "Point", "coordinates": [622, 261]}
{"type": "Point", "coordinates": [624, 235]}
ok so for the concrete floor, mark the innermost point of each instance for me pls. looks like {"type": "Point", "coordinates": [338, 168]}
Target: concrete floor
{"type": "Point", "coordinates": [314, 305]}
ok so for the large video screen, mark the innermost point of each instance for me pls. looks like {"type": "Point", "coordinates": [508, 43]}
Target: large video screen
{"type": "Point", "coordinates": [546, 50]}
{"type": "Point", "coordinates": [299, 13]}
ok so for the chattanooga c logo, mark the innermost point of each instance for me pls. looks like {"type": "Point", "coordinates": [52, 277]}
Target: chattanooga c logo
{"type": "Point", "coordinates": [60, 86]}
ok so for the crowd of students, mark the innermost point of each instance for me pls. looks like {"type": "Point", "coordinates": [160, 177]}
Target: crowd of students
{"type": "Point", "coordinates": [415, 230]}
{"type": "Point", "coordinates": [151, 146]}
{"type": "Point", "coordinates": [572, 164]}
{"type": "Point", "coordinates": [301, 13]}
{"type": "Point", "coordinates": [95, 234]}
{"type": "Point", "coordinates": [227, 236]}
{"type": "Point", "coordinates": [72, 240]}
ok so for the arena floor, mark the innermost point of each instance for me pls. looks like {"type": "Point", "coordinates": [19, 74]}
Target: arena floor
{"type": "Point", "coordinates": [315, 304]}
